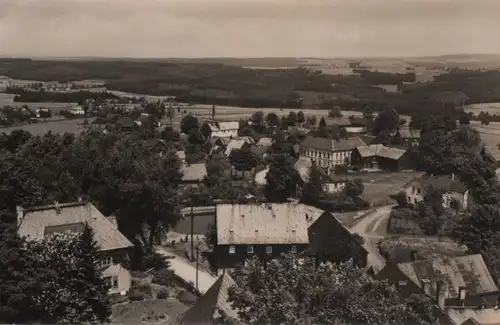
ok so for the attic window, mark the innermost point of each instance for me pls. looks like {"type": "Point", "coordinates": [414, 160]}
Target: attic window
{"type": "Point", "coordinates": [232, 249]}
{"type": "Point", "coordinates": [402, 283]}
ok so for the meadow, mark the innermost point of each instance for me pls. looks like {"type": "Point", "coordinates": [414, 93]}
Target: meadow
{"type": "Point", "coordinates": [59, 126]}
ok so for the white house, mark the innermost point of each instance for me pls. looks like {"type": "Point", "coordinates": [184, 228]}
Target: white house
{"type": "Point", "coordinates": [40, 222]}
{"type": "Point", "coordinates": [224, 129]}
{"type": "Point", "coordinates": [456, 194]}
{"type": "Point", "coordinates": [328, 153]}
{"type": "Point", "coordinates": [77, 111]}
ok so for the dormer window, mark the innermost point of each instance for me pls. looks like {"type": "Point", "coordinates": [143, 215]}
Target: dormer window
{"type": "Point", "coordinates": [106, 261]}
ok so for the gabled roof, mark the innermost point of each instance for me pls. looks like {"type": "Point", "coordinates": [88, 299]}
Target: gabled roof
{"type": "Point", "coordinates": [409, 133]}
{"type": "Point", "coordinates": [448, 183]}
{"type": "Point", "coordinates": [207, 307]}
{"type": "Point", "coordinates": [258, 151]}
{"type": "Point", "coordinates": [194, 172]}
{"type": "Point", "coordinates": [234, 145]}
{"type": "Point", "coordinates": [380, 150]}
{"type": "Point", "coordinates": [221, 126]}
{"type": "Point", "coordinates": [469, 271]}
{"type": "Point", "coordinates": [326, 144]}
{"type": "Point", "coordinates": [265, 142]}
{"type": "Point", "coordinates": [247, 139]}
{"type": "Point", "coordinates": [38, 221]}
{"type": "Point", "coordinates": [269, 223]}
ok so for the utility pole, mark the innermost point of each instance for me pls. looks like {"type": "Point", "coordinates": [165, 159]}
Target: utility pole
{"type": "Point", "coordinates": [197, 259]}
{"type": "Point", "coordinates": [192, 230]}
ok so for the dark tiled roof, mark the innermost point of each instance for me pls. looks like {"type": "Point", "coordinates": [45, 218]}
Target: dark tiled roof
{"type": "Point", "coordinates": [443, 181]}
{"type": "Point", "coordinates": [332, 145]}
{"type": "Point", "coordinates": [469, 271]}
{"type": "Point", "coordinates": [207, 306]}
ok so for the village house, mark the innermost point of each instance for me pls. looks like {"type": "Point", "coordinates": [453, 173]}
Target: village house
{"type": "Point", "coordinates": [265, 142]}
{"type": "Point", "coordinates": [377, 157]}
{"type": "Point", "coordinates": [456, 196]}
{"type": "Point", "coordinates": [40, 222]}
{"type": "Point", "coordinates": [193, 174]}
{"type": "Point", "coordinates": [328, 153]}
{"type": "Point", "coordinates": [212, 305]}
{"type": "Point", "coordinates": [269, 229]}
{"type": "Point", "coordinates": [461, 287]}
{"type": "Point", "coordinates": [357, 125]}
{"type": "Point", "coordinates": [224, 129]}
{"type": "Point", "coordinates": [408, 137]}
{"type": "Point", "coordinates": [76, 111]}
{"type": "Point", "coordinates": [236, 145]}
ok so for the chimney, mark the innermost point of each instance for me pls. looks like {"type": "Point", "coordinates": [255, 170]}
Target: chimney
{"type": "Point", "coordinates": [57, 207]}
{"type": "Point", "coordinates": [426, 286]}
{"type": "Point", "coordinates": [462, 294]}
{"type": "Point", "coordinates": [413, 255]}
{"type": "Point", "coordinates": [441, 293]}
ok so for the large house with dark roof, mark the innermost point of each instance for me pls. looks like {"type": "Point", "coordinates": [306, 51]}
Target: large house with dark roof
{"type": "Point", "coordinates": [39, 222]}
{"type": "Point", "coordinates": [267, 230]}
{"type": "Point", "coordinates": [328, 153]}
{"type": "Point", "coordinates": [376, 157]}
{"type": "Point", "coordinates": [461, 287]}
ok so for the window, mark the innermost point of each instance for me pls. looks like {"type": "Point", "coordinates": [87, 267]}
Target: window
{"type": "Point", "coordinates": [269, 249]}
{"type": "Point", "coordinates": [113, 281]}
{"type": "Point", "coordinates": [418, 190]}
{"type": "Point", "coordinates": [294, 249]}
{"type": "Point", "coordinates": [232, 249]}
{"type": "Point", "coordinates": [106, 261]}
{"type": "Point", "coordinates": [413, 189]}
{"type": "Point", "coordinates": [250, 249]}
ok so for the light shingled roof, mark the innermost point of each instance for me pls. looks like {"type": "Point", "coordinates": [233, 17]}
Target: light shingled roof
{"type": "Point", "coordinates": [234, 145]}
{"type": "Point", "coordinates": [409, 133]}
{"type": "Point", "coordinates": [265, 142]}
{"type": "Point", "coordinates": [194, 172]}
{"type": "Point", "coordinates": [207, 307]}
{"type": "Point", "coordinates": [381, 151]}
{"type": "Point", "coordinates": [223, 126]}
{"type": "Point", "coordinates": [38, 220]}
{"type": "Point", "coordinates": [266, 223]}
{"type": "Point", "coordinates": [468, 271]}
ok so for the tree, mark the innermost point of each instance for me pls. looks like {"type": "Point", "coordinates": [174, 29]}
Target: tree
{"type": "Point", "coordinates": [354, 188]}
{"type": "Point", "coordinates": [18, 279]}
{"type": "Point", "coordinates": [430, 211]}
{"type": "Point", "coordinates": [281, 179]}
{"type": "Point", "coordinates": [313, 189]}
{"type": "Point", "coordinates": [258, 121]}
{"type": "Point", "coordinates": [322, 122]}
{"type": "Point", "coordinates": [335, 112]}
{"type": "Point", "coordinates": [290, 290]}
{"type": "Point", "coordinates": [70, 291]}
{"type": "Point", "coordinates": [272, 120]}
{"type": "Point", "coordinates": [300, 117]}
{"type": "Point", "coordinates": [464, 119]}
{"type": "Point", "coordinates": [243, 160]}
{"type": "Point", "coordinates": [206, 130]}
{"type": "Point", "coordinates": [189, 123]}
{"type": "Point", "coordinates": [387, 120]}
{"type": "Point", "coordinates": [291, 119]}
{"type": "Point", "coordinates": [400, 199]}
{"type": "Point", "coordinates": [312, 120]}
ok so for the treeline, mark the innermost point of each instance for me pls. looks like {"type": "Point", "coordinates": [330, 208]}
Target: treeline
{"type": "Point", "coordinates": [25, 96]}
{"type": "Point", "coordinates": [220, 84]}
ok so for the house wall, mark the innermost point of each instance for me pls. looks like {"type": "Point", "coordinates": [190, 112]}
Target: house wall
{"type": "Point", "coordinates": [124, 278]}
{"type": "Point", "coordinates": [326, 159]}
{"type": "Point", "coordinates": [334, 187]}
{"type": "Point", "coordinates": [225, 260]}
{"type": "Point", "coordinates": [225, 133]}
{"type": "Point", "coordinates": [330, 241]}
{"type": "Point", "coordinates": [415, 193]}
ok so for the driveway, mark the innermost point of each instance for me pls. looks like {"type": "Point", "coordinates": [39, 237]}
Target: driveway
{"type": "Point", "coordinates": [186, 271]}
{"type": "Point", "coordinates": [369, 228]}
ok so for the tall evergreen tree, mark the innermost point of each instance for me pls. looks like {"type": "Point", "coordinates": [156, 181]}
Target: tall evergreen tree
{"type": "Point", "coordinates": [93, 305]}
{"type": "Point", "coordinates": [281, 179]}
{"type": "Point", "coordinates": [313, 189]}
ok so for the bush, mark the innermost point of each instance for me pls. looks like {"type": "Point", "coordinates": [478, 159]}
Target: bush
{"type": "Point", "coordinates": [163, 277]}
{"type": "Point", "coordinates": [136, 295]}
{"type": "Point", "coordinates": [163, 294]}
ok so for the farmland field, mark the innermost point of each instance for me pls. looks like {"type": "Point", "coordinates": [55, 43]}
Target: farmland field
{"type": "Point", "coordinates": [492, 108]}
{"type": "Point", "coordinates": [61, 126]}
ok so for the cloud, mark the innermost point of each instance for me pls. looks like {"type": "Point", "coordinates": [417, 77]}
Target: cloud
{"type": "Point", "coordinates": [247, 28]}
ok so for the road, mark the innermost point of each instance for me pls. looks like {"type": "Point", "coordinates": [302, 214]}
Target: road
{"type": "Point", "coordinates": [371, 228]}
{"type": "Point", "coordinates": [187, 271]}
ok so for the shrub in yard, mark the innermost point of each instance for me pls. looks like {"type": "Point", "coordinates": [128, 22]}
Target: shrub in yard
{"type": "Point", "coordinates": [163, 294]}
{"type": "Point", "coordinates": [163, 276]}
{"type": "Point", "coordinates": [136, 295]}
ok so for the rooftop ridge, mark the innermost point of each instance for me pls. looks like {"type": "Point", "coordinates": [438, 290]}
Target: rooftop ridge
{"type": "Point", "coordinates": [53, 206]}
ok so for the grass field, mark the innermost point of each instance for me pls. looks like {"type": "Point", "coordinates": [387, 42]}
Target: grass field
{"type": "Point", "coordinates": [378, 186]}
{"type": "Point", "coordinates": [492, 108]}
{"type": "Point", "coordinates": [490, 134]}
{"type": "Point", "coordinates": [64, 126]}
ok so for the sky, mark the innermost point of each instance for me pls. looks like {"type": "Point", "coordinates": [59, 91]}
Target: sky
{"type": "Point", "coordinates": [247, 28]}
